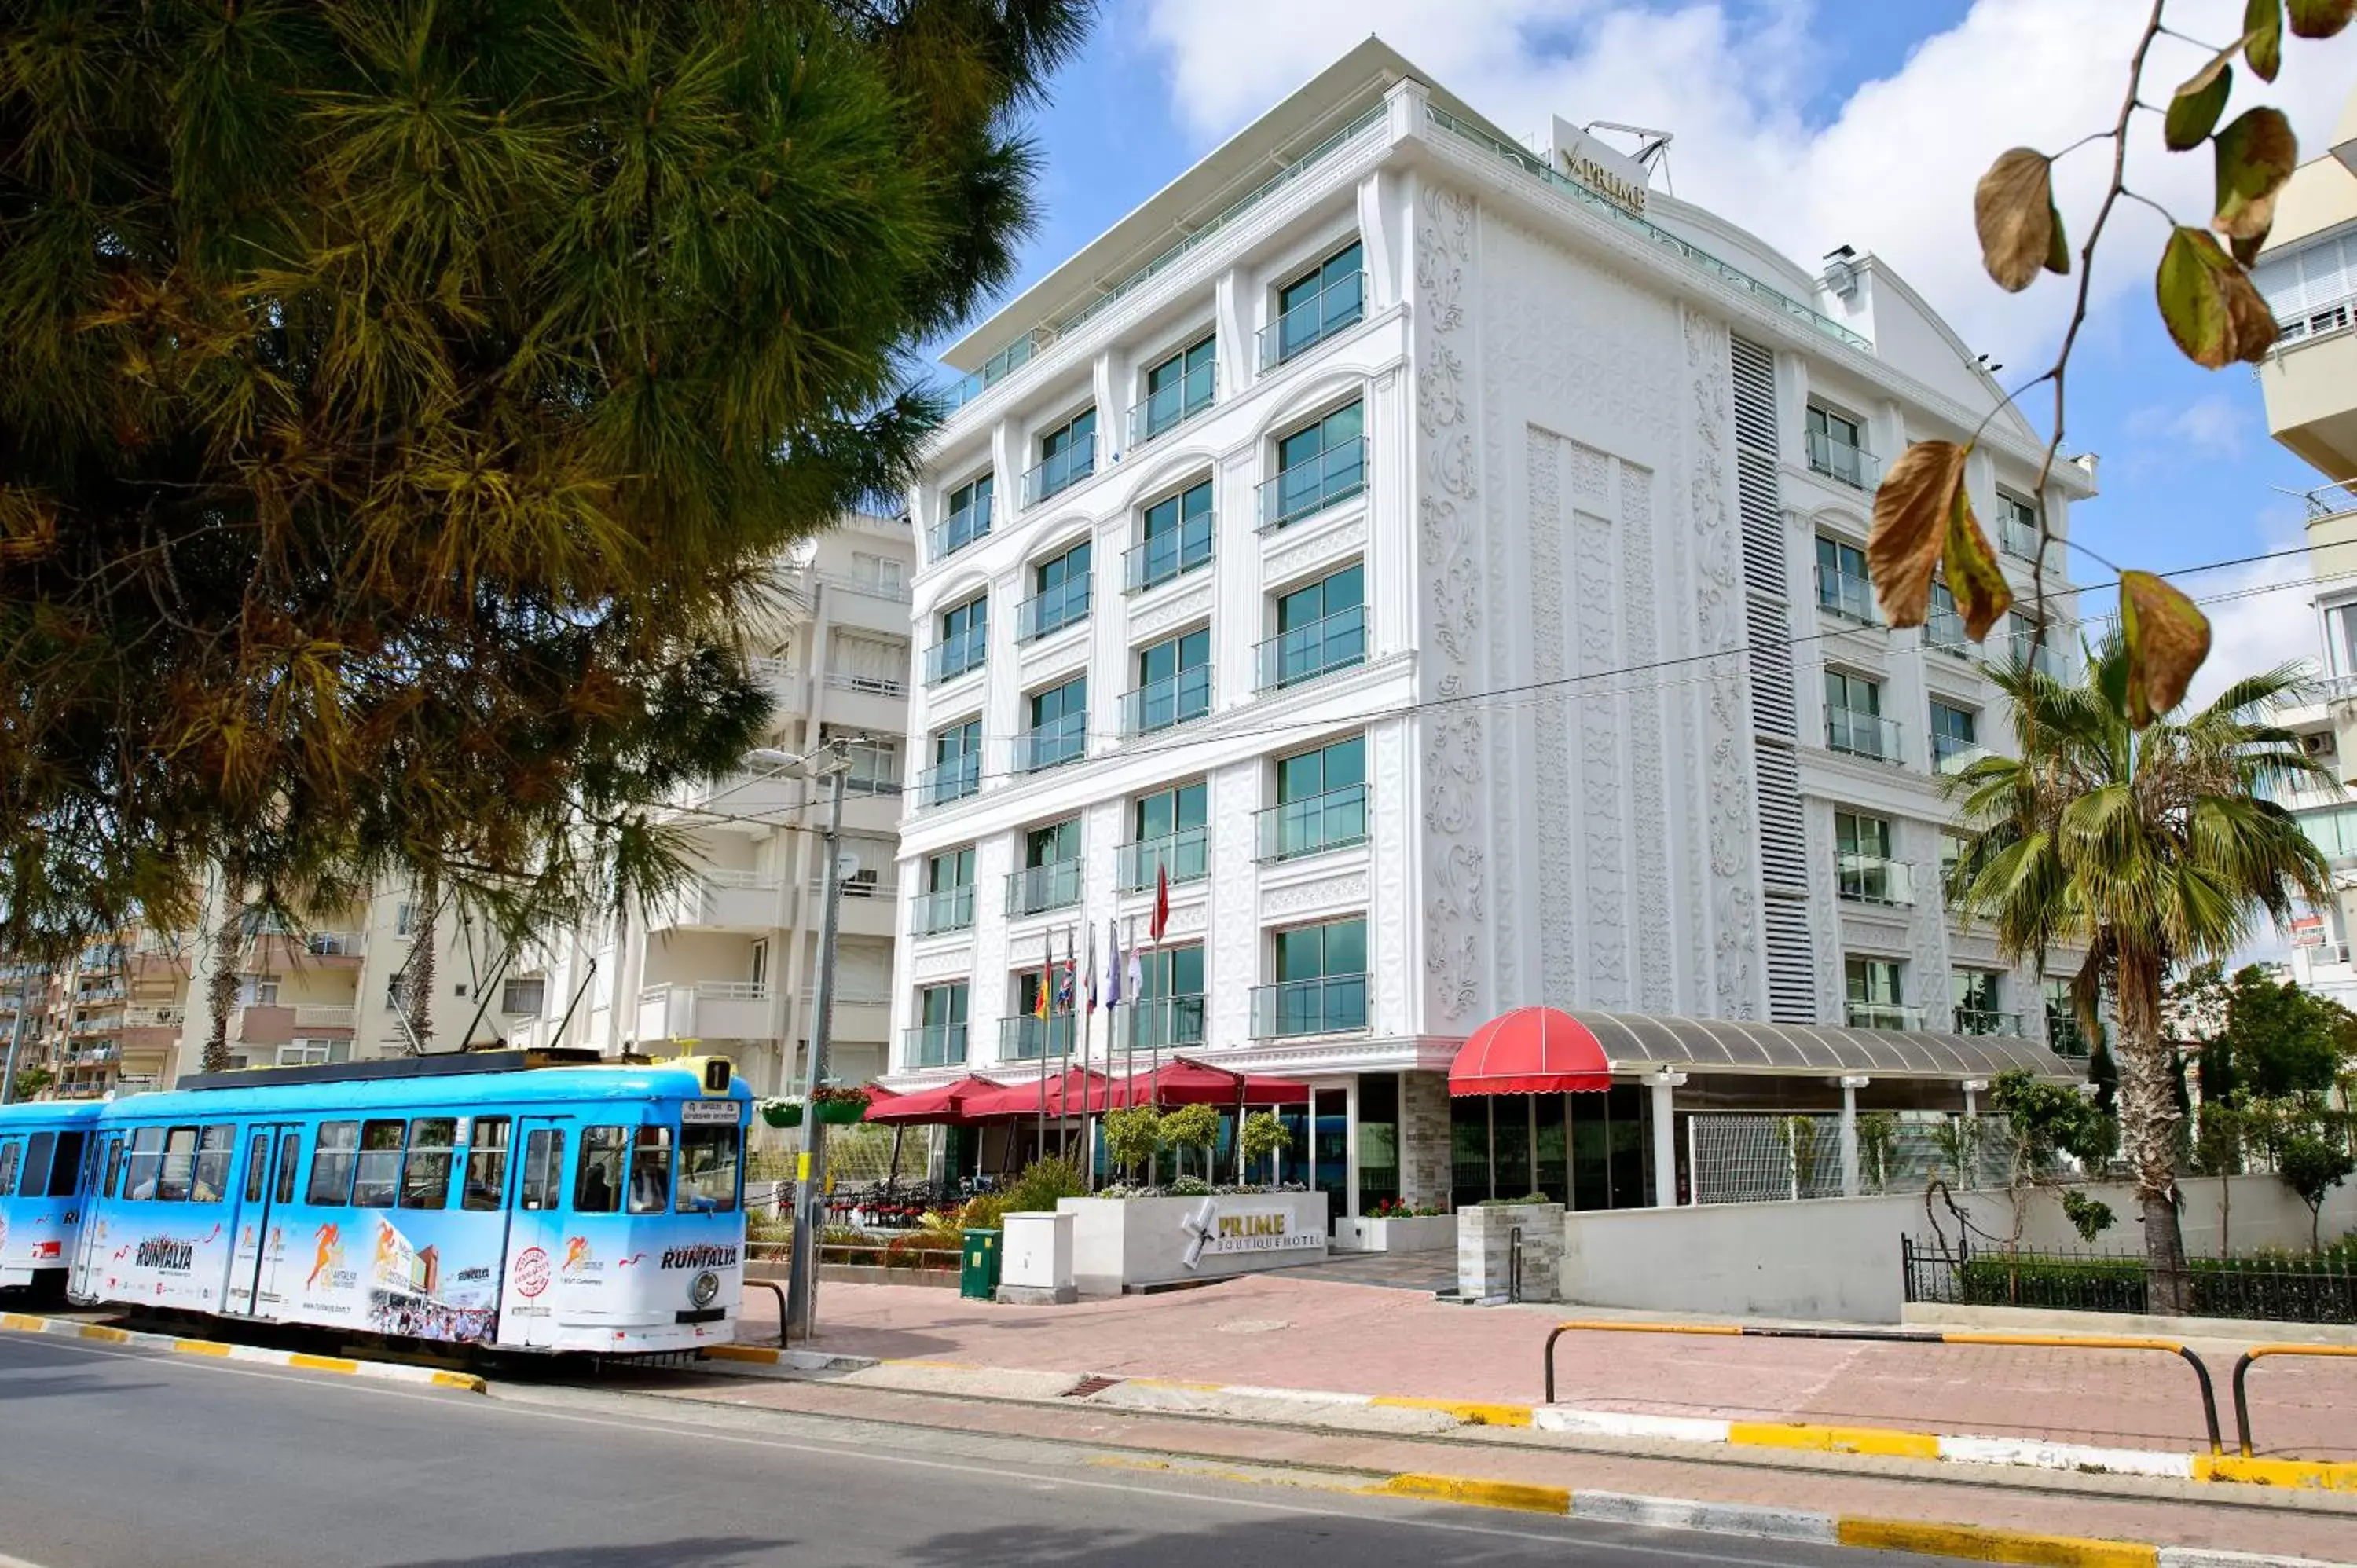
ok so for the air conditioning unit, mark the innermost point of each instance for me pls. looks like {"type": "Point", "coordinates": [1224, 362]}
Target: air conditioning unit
{"type": "Point", "coordinates": [2318, 745]}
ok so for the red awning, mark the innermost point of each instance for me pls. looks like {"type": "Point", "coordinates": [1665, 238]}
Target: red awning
{"type": "Point", "coordinates": [1183, 1080]}
{"type": "Point", "coordinates": [946, 1103]}
{"type": "Point", "coordinates": [1531, 1050]}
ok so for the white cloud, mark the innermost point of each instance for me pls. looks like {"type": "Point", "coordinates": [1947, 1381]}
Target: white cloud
{"type": "Point", "coordinates": [1891, 171]}
{"type": "Point", "coordinates": [2211, 426]}
{"type": "Point", "coordinates": [2260, 614]}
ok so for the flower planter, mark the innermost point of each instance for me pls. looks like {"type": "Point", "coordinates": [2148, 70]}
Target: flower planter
{"type": "Point", "coordinates": [1122, 1244]}
{"type": "Point", "coordinates": [1406, 1233]}
{"type": "Point", "coordinates": [782, 1115]}
{"type": "Point", "coordinates": [841, 1113]}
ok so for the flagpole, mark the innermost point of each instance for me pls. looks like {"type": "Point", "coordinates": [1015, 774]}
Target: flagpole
{"type": "Point", "coordinates": [1046, 1016]}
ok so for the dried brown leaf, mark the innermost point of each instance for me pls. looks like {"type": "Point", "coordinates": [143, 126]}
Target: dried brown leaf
{"type": "Point", "coordinates": [2013, 210]}
{"type": "Point", "coordinates": [1910, 517]}
{"type": "Point", "coordinates": [2168, 638]}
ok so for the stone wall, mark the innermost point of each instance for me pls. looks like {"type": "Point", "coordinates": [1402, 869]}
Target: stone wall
{"type": "Point", "coordinates": [1426, 1175]}
{"type": "Point", "coordinates": [1485, 1241]}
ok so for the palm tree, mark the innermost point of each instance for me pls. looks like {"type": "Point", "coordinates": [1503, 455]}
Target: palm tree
{"type": "Point", "coordinates": [2149, 849]}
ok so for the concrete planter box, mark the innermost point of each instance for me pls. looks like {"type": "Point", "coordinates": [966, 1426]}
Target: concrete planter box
{"type": "Point", "coordinates": [1122, 1243]}
{"type": "Point", "coordinates": [1422, 1233]}
{"type": "Point", "coordinates": [1485, 1235]}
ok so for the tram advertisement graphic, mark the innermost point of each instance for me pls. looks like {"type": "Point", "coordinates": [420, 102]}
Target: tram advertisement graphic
{"type": "Point", "coordinates": [530, 1272]}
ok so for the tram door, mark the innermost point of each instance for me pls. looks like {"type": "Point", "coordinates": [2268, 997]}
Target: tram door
{"type": "Point", "coordinates": [535, 1234]}
{"type": "Point", "coordinates": [273, 1155]}
{"type": "Point", "coordinates": [99, 1177]}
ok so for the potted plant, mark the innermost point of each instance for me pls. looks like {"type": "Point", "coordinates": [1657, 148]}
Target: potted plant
{"type": "Point", "coordinates": [1264, 1137]}
{"type": "Point", "coordinates": [781, 1113]}
{"type": "Point", "coordinates": [837, 1105]}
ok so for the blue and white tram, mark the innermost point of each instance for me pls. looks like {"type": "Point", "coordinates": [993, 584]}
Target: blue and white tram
{"type": "Point", "coordinates": [45, 1182]}
{"type": "Point", "coordinates": [466, 1199]}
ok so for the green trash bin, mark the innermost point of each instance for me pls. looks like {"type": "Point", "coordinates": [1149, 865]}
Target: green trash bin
{"type": "Point", "coordinates": [978, 1266]}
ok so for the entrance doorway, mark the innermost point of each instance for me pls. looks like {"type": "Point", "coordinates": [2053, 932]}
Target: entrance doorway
{"type": "Point", "coordinates": [1583, 1151]}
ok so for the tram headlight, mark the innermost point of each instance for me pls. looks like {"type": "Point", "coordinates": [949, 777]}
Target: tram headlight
{"type": "Point", "coordinates": [702, 1291]}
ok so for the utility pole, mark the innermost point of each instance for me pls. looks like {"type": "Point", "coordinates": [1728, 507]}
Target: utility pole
{"type": "Point", "coordinates": [810, 1170]}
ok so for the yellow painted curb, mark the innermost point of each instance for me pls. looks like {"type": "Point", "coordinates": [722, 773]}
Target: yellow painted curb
{"type": "Point", "coordinates": [1977, 1544]}
{"type": "Point", "coordinates": [1514, 1495]}
{"type": "Point", "coordinates": [467, 1380]}
{"type": "Point", "coordinates": [1471, 1412]}
{"type": "Point", "coordinates": [28, 1323]}
{"type": "Point", "coordinates": [21, 1321]}
{"type": "Point", "coordinates": [310, 1363]}
{"type": "Point", "coordinates": [1179, 1383]}
{"type": "Point", "coordinates": [100, 1331]}
{"type": "Point", "coordinates": [742, 1353]}
{"type": "Point", "coordinates": [200, 1347]}
{"type": "Point", "coordinates": [2313, 1474]}
{"type": "Point", "coordinates": [1835, 1439]}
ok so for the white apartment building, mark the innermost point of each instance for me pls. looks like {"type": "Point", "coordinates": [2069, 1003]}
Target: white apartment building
{"type": "Point", "coordinates": [730, 962]}
{"type": "Point", "coordinates": [1442, 555]}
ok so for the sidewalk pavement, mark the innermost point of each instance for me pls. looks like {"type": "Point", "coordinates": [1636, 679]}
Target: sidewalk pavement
{"type": "Point", "coordinates": [1280, 1331]}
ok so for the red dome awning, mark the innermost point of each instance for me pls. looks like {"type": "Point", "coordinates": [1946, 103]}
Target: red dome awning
{"type": "Point", "coordinates": [1531, 1050]}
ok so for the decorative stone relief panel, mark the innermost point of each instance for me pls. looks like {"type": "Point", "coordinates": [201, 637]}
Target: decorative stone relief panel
{"type": "Point", "coordinates": [1321, 546]}
{"type": "Point", "coordinates": [1177, 611]}
{"type": "Point", "coordinates": [1603, 887]}
{"type": "Point", "coordinates": [1233, 961]}
{"type": "Point", "coordinates": [1551, 723]}
{"type": "Point", "coordinates": [1326, 894]}
{"type": "Point", "coordinates": [1825, 911]}
{"type": "Point", "coordinates": [1649, 808]}
{"type": "Point", "coordinates": [1389, 907]}
{"type": "Point", "coordinates": [952, 964]}
{"type": "Point", "coordinates": [1928, 952]}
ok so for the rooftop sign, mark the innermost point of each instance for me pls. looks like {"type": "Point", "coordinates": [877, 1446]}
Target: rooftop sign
{"type": "Point", "coordinates": [1616, 177]}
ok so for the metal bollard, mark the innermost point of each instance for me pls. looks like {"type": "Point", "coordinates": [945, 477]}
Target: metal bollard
{"type": "Point", "coordinates": [1514, 1263]}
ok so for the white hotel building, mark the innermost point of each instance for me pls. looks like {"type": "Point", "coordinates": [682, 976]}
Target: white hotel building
{"type": "Point", "coordinates": [1444, 555]}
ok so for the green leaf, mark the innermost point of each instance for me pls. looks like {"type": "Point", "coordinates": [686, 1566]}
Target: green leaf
{"type": "Point", "coordinates": [2193, 113]}
{"type": "Point", "coordinates": [1974, 576]}
{"type": "Point", "coordinates": [2058, 253]}
{"type": "Point", "coordinates": [1910, 517]}
{"type": "Point", "coordinates": [2263, 37]}
{"type": "Point", "coordinates": [2209, 304]}
{"type": "Point", "coordinates": [2168, 638]}
{"type": "Point", "coordinates": [2320, 18]}
{"type": "Point", "coordinates": [2013, 210]}
{"type": "Point", "coordinates": [2255, 155]}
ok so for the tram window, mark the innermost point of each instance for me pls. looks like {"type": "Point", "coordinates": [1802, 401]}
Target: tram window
{"type": "Point", "coordinates": [113, 1165]}
{"type": "Point", "coordinates": [425, 1171]}
{"type": "Point", "coordinates": [487, 1164]}
{"type": "Point", "coordinates": [65, 1171]}
{"type": "Point", "coordinates": [216, 1145]}
{"type": "Point", "coordinates": [11, 1151]}
{"type": "Point", "coordinates": [651, 1171]}
{"type": "Point", "coordinates": [257, 1166]}
{"type": "Point", "coordinates": [139, 1170]}
{"type": "Point", "coordinates": [35, 1175]}
{"type": "Point", "coordinates": [707, 1170]}
{"type": "Point", "coordinates": [597, 1189]}
{"type": "Point", "coordinates": [331, 1165]}
{"type": "Point", "coordinates": [290, 1151]}
{"type": "Point", "coordinates": [544, 1167]}
{"type": "Point", "coordinates": [179, 1165]}
{"type": "Point", "coordinates": [379, 1174]}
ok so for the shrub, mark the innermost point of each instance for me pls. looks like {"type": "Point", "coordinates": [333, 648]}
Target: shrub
{"type": "Point", "coordinates": [1133, 1136]}
{"type": "Point", "coordinates": [1041, 1184]}
{"type": "Point", "coordinates": [1188, 1186]}
{"type": "Point", "coordinates": [981, 1212]}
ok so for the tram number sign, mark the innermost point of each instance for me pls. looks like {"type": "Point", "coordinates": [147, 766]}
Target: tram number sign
{"type": "Point", "coordinates": [530, 1272]}
{"type": "Point", "coordinates": [722, 1112]}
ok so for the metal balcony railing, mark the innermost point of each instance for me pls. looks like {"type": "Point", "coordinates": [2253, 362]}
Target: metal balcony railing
{"type": "Point", "coordinates": [1173, 553]}
{"type": "Point", "coordinates": [1862, 735]}
{"type": "Point", "coordinates": [1172, 405]}
{"type": "Point", "coordinates": [1883, 1015]}
{"type": "Point", "coordinates": [961, 527]}
{"type": "Point", "coordinates": [1331, 478]}
{"type": "Point", "coordinates": [1036, 889]}
{"type": "Point", "coordinates": [948, 910]}
{"type": "Point", "coordinates": [1944, 630]}
{"type": "Point", "coordinates": [1872, 879]}
{"type": "Point", "coordinates": [1163, 1022]}
{"type": "Point", "coordinates": [1987, 1021]}
{"type": "Point", "coordinates": [1335, 309]}
{"type": "Point", "coordinates": [1330, 1004]}
{"type": "Point", "coordinates": [873, 686]}
{"type": "Point", "coordinates": [954, 655]}
{"type": "Point", "coordinates": [1954, 754]}
{"type": "Point", "coordinates": [1054, 475]}
{"type": "Point", "coordinates": [1050, 745]}
{"type": "Point", "coordinates": [1027, 1037]}
{"type": "Point", "coordinates": [1838, 459]}
{"type": "Point", "coordinates": [1184, 856]}
{"type": "Point", "coordinates": [1335, 643]}
{"type": "Point", "coordinates": [1852, 598]}
{"type": "Point", "coordinates": [933, 1044]}
{"type": "Point", "coordinates": [1053, 610]}
{"type": "Point", "coordinates": [953, 780]}
{"type": "Point", "coordinates": [1335, 819]}
{"type": "Point", "coordinates": [2017, 537]}
{"type": "Point", "coordinates": [2049, 660]}
{"type": "Point", "coordinates": [1173, 700]}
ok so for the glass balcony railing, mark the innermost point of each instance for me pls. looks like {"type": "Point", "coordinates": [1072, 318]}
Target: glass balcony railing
{"type": "Point", "coordinates": [960, 528]}
{"type": "Point", "coordinates": [1053, 609]}
{"type": "Point", "coordinates": [1944, 630]}
{"type": "Point", "coordinates": [1050, 745]}
{"type": "Point", "coordinates": [995, 370]}
{"type": "Point", "coordinates": [953, 780]}
{"type": "Point", "coordinates": [1333, 309]}
{"type": "Point", "coordinates": [1159, 1023]}
{"type": "Point", "coordinates": [2049, 659]}
{"type": "Point", "coordinates": [953, 656]}
{"type": "Point", "coordinates": [1838, 459]}
{"type": "Point", "coordinates": [1173, 404]}
{"type": "Point", "coordinates": [1036, 889]}
{"type": "Point", "coordinates": [1987, 1021]}
{"type": "Point", "coordinates": [1335, 643]}
{"type": "Point", "coordinates": [1872, 879]}
{"type": "Point", "coordinates": [1173, 553]}
{"type": "Point", "coordinates": [1336, 820]}
{"type": "Point", "coordinates": [947, 910]}
{"type": "Point", "coordinates": [1185, 856]}
{"type": "Point", "coordinates": [933, 1044]}
{"type": "Point", "coordinates": [1029, 1037]}
{"type": "Point", "coordinates": [1067, 467]}
{"type": "Point", "coordinates": [1862, 735]}
{"type": "Point", "coordinates": [1852, 598]}
{"type": "Point", "coordinates": [1953, 753]}
{"type": "Point", "coordinates": [1173, 700]}
{"type": "Point", "coordinates": [2017, 537]}
{"type": "Point", "coordinates": [1330, 1004]}
{"type": "Point", "coordinates": [1883, 1015]}
{"type": "Point", "coordinates": [1331, 478]}
{"type": "Point", "coordinates": [2064, 1037]}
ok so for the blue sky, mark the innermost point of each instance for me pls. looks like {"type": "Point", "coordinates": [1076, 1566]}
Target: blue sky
{"type": "Point", "coordinates": [1815, 122]}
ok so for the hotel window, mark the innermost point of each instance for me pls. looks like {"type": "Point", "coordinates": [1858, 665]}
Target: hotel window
{"type": "Point", "coordinates": [1174, 538]}
{"type": "Point", "coordinates": [1059, 595]}
{"type": "Point", "coordinates": [1059, 726]}
{"type": "Point", "coordinates": [2064, 1035]}
{"type": "Point", "coordinates": [1168, 1007]}
{"type": "Point", "coordinates": [947, 903]}
{"type": "Point", "coordinates": [1174, 683]}
{"type": "Point", "coordinates": [1843, 586]}
{"type": "Point", "coordinates": [1944, 625]}
{"type": "Point", "coordinates": [1051, 877]}
{"type": "Point", "coordinates": [966, 517]}
{"type": "Point", "coordinates": [2016, 527]}
{"type": "Point", "coordinates": [1872, 985]}
{"type": "Point", "coordinates": [1854, 721]}
{"type": "Point", "coordinates": [2340, 638]}
{"type": "Point", "coordinates": [1865, 871]}
{"type": "Point", "coordinates": [1973, 992]}
{"type": "Point", "coordinates": [1322, 801]}
{"type": "Point", "coordinates": [1319, 627]}
{"type": "Point", "coordinates": [1322, 464]}
{"type": "Point", "coordinates": [1177, 390]}
{"type": "Point", "coordinates": [965, 639]}
{"type": "Point", "coordinates": [1023, 1036]}
{"type": "Point", "coordinates": [1315, 305]}
{"type": "Point", "coordinates": [956, 772]}
{"type": "Point", "coordinates": [1068, 454]}
{"type": "Point", "coordinates": [258, 991]}
{"type": "Point", "coordinates": [1169, 835]}
{"type": "Point", "coordinates": [1836, 452]}
{"type": "Point", "coordinates": [1321, 982]}
{"type": "Point", "coordinates": [1954, 741]}
{"type": "Point", "coordinates": [937, 1038]}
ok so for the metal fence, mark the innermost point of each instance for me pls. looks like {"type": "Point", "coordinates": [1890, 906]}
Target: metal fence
{"type": "Point", "coordinates": [2287, 1289]}
{"type": "Point", "coordinates": [1765, 1157]}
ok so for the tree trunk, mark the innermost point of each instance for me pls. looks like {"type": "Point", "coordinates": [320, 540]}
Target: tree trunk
{"type": "Point", "coordinates": [229, 953]}
{"type": "Point", "coordinates": [418, 982]}
{"type": "Point", "coordinates": [2148, 1123]}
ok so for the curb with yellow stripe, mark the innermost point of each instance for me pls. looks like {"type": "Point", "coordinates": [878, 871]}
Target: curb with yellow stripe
{"type": "Point", "coordinates": [382, 1372]}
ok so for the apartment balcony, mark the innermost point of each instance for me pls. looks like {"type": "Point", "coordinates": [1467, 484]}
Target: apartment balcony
{"type": "Point", "coordinates": [1330, 1004]}
{"type": "Point", "coordinates": [1171, 553]}
{"type": "Point", "coordinates": [864, 907]}
{"type": "Point", "coordinates": [1335, 819]}
{"type": "Point", "coordinates": [2049, 657]}
{"type": "Point", "coordinates": [1169, 406]}
{"type": "Point", "coordinates": [960, 528]}
{"type": "Point", "coordinates": [872, 581]}
{"type": "Point", "coordinates": [1053, 476]}
{"type": "Point", "coordinates": [1043, 614]}
{"type": "Point", "coordinates": [932, 1045]}
{"type": "Point", "coordinates": [2017, 538]}
{"type": "Point", "coordinates": [1053, 743]}
{"type": "Point", "coordinates": [1883, 1015]}
{"type": "Point", "coordinates": [105, 1023]}
{"type": "Point", "coordinates": [326, 1020]}
{"type": "Point", "coordinates": [779, 677]}
{"type": "Point", "coordinates": [1029, 1038]}
{"type": "Point", "coordinates": [1944, 630]}
{"type": "Point", "coordinates": [1954, 754]}
{"type": "Point", "coordinates": [859, 1014]}
{"type": "Point", "coordinates": [1161, 1024]}
{"type": "Point", "coordinates": [953, 656]}
{"type": "Point", "coordinates": [1987, 1021]}
{"type": "Point", "coordinates": [1855, 733]}
{"type": "Point", "coordinates": [2064, 1037]}
{"type": "Point", "coordinates": [1840, 461]}
{"type": "Point", "coordinates": [1336, 642]}
{"type": "Point", "coordinates": [721, 900]}
{"type": "Point", "coordinates": [1306, 488]}
{"type": "Point", "coordinates": [1872, 879]}
{"type": "Point", "coordinates": [955, 779]}
{"type": "Point", "coordinates": [706, 1010]}
{"type": "Point", "coordinates": [1184, 856]}
{"type": "Point", "coordinates": [1040, 889]}
{"type": "Point", "coordinates": [1334, 309]}
{"type": "Point", "coordinates": [1172, 701]}
{"type": "Point", "coordinates": [2307, 381]}
{"type": "Point", "coordinates": [262, 1024]}
{"type": "Point", "coordinates": [1852, 598]}
{"type": "Point", "coordinates": [281, 951]}
{"type": "Point", "coordinates": [938, 913]}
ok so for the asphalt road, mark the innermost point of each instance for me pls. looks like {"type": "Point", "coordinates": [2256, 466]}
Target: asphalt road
{"type": "Point", "coordinates": [112, 1457]}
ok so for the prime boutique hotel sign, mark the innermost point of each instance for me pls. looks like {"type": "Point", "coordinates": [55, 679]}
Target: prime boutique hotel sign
{"type": "Point", "coordinates": [1618, 179]}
